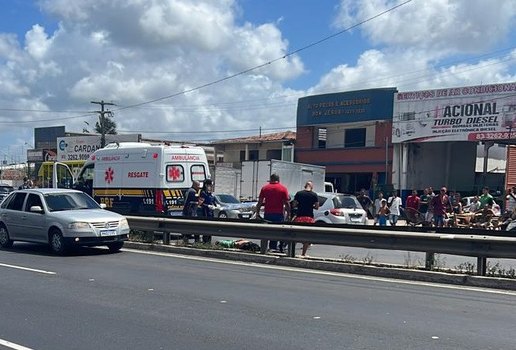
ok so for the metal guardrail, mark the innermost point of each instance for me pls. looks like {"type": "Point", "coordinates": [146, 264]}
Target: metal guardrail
{"type": "Point", "coordinates": [475, 244]}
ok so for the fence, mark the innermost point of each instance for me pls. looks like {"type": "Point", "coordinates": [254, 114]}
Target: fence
{"type": "Point", "coordinates": [475, 243]}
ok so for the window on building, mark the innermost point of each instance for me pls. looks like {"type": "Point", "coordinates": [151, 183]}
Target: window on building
{"type": "Point", "coordinates": [321, 137]}
{"type": "Point", "coordinates": [274, 154]}
{"type": "Point", "coordinates": [253, 155]}
{"type": "Point", "coordinates": [355, 138]}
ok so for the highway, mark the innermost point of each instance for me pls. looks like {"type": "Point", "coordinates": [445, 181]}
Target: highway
{"type": "Point", "coordinates": [141, 300]}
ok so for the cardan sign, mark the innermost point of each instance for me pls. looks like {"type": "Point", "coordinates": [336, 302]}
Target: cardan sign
{"type": "Point", "coordinates": [81, 147]}
{"type": "Point", "coordinates": [472, 113]}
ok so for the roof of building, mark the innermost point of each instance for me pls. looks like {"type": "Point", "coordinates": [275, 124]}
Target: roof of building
{"type": "Point", "coordinates": [274, 137]}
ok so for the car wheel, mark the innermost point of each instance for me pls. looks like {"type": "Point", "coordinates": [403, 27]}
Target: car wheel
{"type": "Point", "coordinates": [115, 246]}
{"type": "Point", "coordinates": [57, 243]}
{"type": "Point", "coordinates": [223, 215]}
{"type": "Point", "coordinates": [5, 240]}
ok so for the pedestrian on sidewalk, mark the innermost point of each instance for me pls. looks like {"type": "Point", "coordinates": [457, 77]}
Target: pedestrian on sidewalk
{"type": "Point", "coordinates": [394, 207]}
{"type": "Point", "coordinates": [383, 213]}
{"type": "Point", "coordinates": [377, 205]}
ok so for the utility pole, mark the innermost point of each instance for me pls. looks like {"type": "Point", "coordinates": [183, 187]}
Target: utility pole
{"type": "Point", "coordinates": [102, 119]}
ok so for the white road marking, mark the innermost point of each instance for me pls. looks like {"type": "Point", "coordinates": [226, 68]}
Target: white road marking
{"type": "Point", "coordinates": [326, 273]}
{"type": "Point", "coordinates": [27, 269]}
{"type": "Point", "coordinates": [14, 346]}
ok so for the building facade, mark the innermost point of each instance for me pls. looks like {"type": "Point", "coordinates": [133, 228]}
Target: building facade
{"type": "Point", "coordinates": [437, 135]}
{"type": "Point", "coordinates": [350, 134]}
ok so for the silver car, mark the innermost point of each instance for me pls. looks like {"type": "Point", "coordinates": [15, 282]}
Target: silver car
{"type": "Point", "coordinates": [228, 206]}
{"type": "Point", "coordinates": [338, 208]}
{"type": "Point", "coordinates": [4, 191]}
{"type": "Point", "coordinates": [61, 218]}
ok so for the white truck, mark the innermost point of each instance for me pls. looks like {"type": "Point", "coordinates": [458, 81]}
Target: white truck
{"type": "Point", "coordinates": [255, 174]}
{"type": "Point", "coordinates": [140, 178]}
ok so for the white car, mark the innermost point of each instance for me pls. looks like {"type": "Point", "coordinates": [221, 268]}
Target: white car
{"type": "Point", "coordinates": [60, 218]}
{"type": "Point", "coordinates": [338, 208]}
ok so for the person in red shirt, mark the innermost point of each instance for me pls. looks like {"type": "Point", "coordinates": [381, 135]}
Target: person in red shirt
{"type": "Point", "coordinates": [275, 199]}
{"type": "Point", "coordinates": [412, 205]}
{"type": "Point", "coordinates": [440, 205]}
{"type": "Point", "coordinates": [413, 201]}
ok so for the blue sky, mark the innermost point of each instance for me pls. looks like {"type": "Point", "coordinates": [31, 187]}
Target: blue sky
{"type": "Point", "coordinates": [58, 55]}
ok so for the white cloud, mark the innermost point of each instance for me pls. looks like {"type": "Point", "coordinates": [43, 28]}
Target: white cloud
{"type": "Point", "coordinates": [138, 50]}
{"type": "Point", "coordinates": [415, 45]}
{"type": "Point", "coordinates": [439, 26]}
{"type": "Point", "coordinates": [37, 42]}
{"type": "Point", "coordinates": [130, 51]}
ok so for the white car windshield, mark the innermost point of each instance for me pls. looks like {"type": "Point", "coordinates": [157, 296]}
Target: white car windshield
{"type": "Point", "coordinates": [69, 201]}
{"type": "Point", "coordinates": [346, 202]}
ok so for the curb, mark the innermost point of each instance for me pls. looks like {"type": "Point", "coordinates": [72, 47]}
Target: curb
{"type": "Point", "coordinates": [331, 266]}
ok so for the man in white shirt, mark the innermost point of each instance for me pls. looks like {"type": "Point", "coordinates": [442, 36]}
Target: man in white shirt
{"type": "Point", "coordinates": [511, 199]}
{"type": "Point", "coordinates": [377, 205]}
{"type": "Point", "coordinates": [394, 207]}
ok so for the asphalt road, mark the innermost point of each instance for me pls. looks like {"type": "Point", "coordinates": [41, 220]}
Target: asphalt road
{"type": "Point", "coordinates": [137, 300]}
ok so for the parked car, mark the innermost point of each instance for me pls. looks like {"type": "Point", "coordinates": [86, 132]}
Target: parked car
{"type": "Point", "coordinates": [338, 208]}
{"type": "Point", "coordinates": [228, 206]}
{"type": "Point", "coordinates": [61, 218]}
{"type": "Point", "coordinates": [4, 191]}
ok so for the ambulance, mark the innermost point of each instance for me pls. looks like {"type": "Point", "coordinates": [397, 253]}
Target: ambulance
{"type": "Point", "coordinates": [142, 178]}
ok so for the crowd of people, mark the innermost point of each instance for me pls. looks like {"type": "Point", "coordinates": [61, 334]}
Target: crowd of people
{"type": "Point", "coordinates": [442, 209]}
{"type": "Point", "coordinates": [274, 197]}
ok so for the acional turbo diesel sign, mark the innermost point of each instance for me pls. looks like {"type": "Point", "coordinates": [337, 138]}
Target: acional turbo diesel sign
{"type": "Point", "coordinates": [81, 147]}
{"type": "Point", "coordinates": [473, 113]}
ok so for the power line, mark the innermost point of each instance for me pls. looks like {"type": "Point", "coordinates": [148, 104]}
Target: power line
{"type": "Point", "coordinates": [208, 132]}
{"type": "Point", "coordinates": [288, 54]}
{"type": "Point", "coordinates": [46, 120]}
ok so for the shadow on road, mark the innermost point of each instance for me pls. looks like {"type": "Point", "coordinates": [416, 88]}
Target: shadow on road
{"type": "Point", "coordinates": [44, 250]}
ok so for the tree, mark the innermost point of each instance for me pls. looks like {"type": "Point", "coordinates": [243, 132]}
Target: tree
{"type": "Point", "coordinates": [109, 125]}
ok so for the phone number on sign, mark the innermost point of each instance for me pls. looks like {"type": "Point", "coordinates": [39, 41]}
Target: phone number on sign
{"type": "Point", "coordinates": [494, 135]}
{"type": "Point", "coordinates": [77, 156]}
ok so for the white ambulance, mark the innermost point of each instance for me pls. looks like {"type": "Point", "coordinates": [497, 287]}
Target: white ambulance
{"type": "Point", "coordinates": [142, 178]}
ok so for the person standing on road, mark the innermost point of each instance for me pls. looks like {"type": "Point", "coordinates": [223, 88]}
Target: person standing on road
{"type": "Point", "coordinates": [191, 203]}
{"type": "Point", "coordinates": [429, 217]}
{"type": "Point", "coordinates": [383, 212]}
{"type": "Point", "coordinates": [394, 207]}
{"type": "Point", "coordinates": [377, 206]}
{"type": "Point", "coordinates": [440, 205]}
{"type": "Point", "coordinates": [365, 201]}
{"type": "Point", "coordinates": [306, 201]}
{"type": "Point", "coordinates": [275, 199]}
{"type": "Point", "coordinates": [207, 204]}
{"type": "Point", "coordinates": [423, 204]}
{"type": "Point", "coordinates": [413, 204]}
{"type": "Point", "coordinates": [511, 200]}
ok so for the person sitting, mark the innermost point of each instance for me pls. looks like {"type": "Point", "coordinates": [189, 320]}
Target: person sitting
{"type": "Point", "coordinates": [484, 218]}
